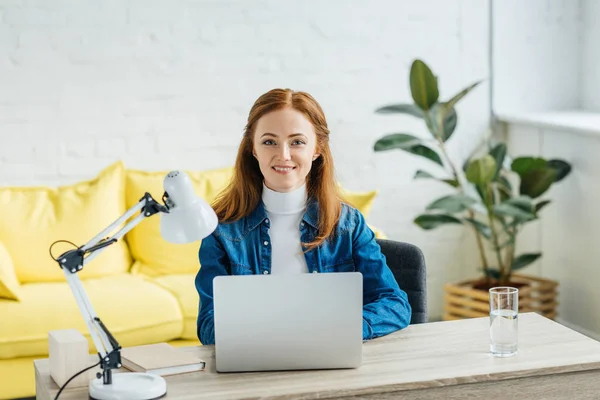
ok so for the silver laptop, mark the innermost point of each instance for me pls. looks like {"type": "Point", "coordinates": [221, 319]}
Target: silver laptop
{"type": "Point", "coordinates": [288, 322]}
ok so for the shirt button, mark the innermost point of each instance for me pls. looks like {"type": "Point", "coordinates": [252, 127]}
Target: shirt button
{"type": "Point", "coordinates": [266, 243]}
{"type": "Point", "coordinates": [301, 223]}
{"type": "Point", "coordinates": [265, 272]}
{"type": "Point", "coordinates": [315, 271]}
{"type": "Point", "coordinates": [267, 221]}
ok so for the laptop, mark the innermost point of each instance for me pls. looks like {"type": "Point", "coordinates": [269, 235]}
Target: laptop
{"type": "Point", "coordinates": [288, 322]}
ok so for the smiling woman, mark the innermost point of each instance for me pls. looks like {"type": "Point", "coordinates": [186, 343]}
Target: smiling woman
{"type": "Point", "coordinates": [282, 213]}
{"type": "Point", "coordinates": [285, 147]}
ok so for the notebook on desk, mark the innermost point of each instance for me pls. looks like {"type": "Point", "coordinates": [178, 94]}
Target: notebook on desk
{"type": "Point", "coordinates": [161, 359]}
{"type": "Point", "coordinates": [288, 322]}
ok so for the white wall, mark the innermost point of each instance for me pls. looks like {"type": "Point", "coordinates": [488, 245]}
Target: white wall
{"type": "Point", "coordinates": [546, 56]}
{"type": "Point", "coordinates": [569, 228]}
{"type": "Point", "coordinates": [165, 85]}
{"type": "Point", "coordinates": [547, 87]}
{"type": "Point", "coordinates": [590, 73]}
{"type": "Point", "coordinates": [536, 55]}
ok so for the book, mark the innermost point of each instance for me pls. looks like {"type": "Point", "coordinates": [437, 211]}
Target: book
{"type": "Point", "coordinates": [161, 359]}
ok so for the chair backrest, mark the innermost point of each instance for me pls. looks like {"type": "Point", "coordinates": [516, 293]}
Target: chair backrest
{"type": "Point", "coordinates": [408, 266]}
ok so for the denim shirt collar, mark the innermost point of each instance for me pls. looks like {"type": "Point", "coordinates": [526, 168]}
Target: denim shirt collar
{"type": "Point", "coordinates": [311, 215]}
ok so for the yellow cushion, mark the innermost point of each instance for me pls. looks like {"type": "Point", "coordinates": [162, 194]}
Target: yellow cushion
{"type": "Point", "coordinates": [185, 342]}
{"type": "Point", "coordinates": [9, 285]}
{"type": "Point", "coordinates": [378, 234]}
{"type": "Point", "coordinates": [34, 217]}
{"type": "Point", "coordinates": [363, 201]}
{"type": "Point", "coordinates": [154, 256]}
{"type": "Point", "coordinates": [18, 378]}
{"type": "Point", "coordinates": [183, 288]}
{"type": "Point", "coordinates": [135, 310]}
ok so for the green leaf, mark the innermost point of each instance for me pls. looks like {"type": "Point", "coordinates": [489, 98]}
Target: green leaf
{"type": "Point", "coordinates": [410, 109]}
{"type": "Point", "coordinates": [457, 97]}
{"type": "Point", "coordinates": [423, 174]}
{"type": "Point", "coordinates": [450, 123]}
{"type": "Point", "coordinates": [452, 204]}
{"type": "Point", "coordinates": [481, 192]}
{"type": "Point", "coordinates": [480, 226]}
{"type": "Point", "coordinates": [524, 260]}
{"type": "Point", "coordinates": [407, 143]}
{"type": "Point", "coordinates": [504, 183]}
{"type": "Point", "coordinates": [562, 168]}
{"type": "Point", "coordinates": [481, 170]}
{"type": "Point", "coordinates": [450, 120]}
{"type": "Point", "coordinates": [423, 85]}
{"type": "Point", "coordinates": [523, 165]}
{"type": "Point", "coordinates": [504, 187]}
{"type": "Point", "coordinates": [541, 205]}
{"type": "Point", "coordinates": [535, 182]}
{"type": "Point", "coordinates": [451, 182]}
{"type": "Point", "coordinates": [522, 202]}
{"type": "Point", "coordinates": [493, 273]}
{"type": "Point", "coordinates": [426, 152]}
{"type": "Point", "coordinates": [509, 210]}
{"type": "Point", "coordinates": [498, 152]}
{"type": "Point", "coordinates": [431, 221]}
{"type": "Point", "coordinates": [396, 141]}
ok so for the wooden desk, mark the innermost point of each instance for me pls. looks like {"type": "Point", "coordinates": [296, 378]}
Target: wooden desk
{"type": "Point", "coordinates": [440, 360]}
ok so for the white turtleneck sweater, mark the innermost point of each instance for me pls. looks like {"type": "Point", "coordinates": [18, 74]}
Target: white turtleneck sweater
{"type": "Point", "coordinates": [285, 211]}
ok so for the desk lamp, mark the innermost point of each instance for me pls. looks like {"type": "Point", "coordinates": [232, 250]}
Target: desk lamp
{"type": "Point", "coordinates": [184, 218]}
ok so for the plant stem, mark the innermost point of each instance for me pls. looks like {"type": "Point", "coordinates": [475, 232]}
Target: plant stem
{"type": "Point", "coordinates": [454, 170]}
{"type": "Point", "coordinates": [484, 261]}
{"type": "Point", "coordinates": [494, 235]}
{"type": "Point", "coordinates": [510, 252]}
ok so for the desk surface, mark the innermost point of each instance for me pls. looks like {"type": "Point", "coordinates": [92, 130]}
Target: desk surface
{"type": "Point", "coordinates": [427, 356]}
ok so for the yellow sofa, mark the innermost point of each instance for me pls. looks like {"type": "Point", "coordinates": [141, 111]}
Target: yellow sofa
{"type": "Point", "coordinates": [141, 287]}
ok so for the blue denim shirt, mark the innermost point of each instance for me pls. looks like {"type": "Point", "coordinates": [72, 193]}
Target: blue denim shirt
{"type": "Point", "coordinates": [243, 248]}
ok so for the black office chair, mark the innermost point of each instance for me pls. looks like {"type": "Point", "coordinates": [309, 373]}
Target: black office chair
{"type": "Point", "coordinates": [408, 266]}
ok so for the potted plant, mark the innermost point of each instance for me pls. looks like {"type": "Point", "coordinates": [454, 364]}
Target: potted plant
{"type": "Point", "coordinates": [495, 196]}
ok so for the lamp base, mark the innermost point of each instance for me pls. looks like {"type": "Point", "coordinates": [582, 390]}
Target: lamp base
{"type": "Point", "coordinates": [129, 386]}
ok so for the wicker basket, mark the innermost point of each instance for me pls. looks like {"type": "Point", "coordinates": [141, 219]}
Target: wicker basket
{"type": "Point", "coordinates": [535, 295]}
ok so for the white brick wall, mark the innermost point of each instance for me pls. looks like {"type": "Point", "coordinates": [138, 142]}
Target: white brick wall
{"type": "Point", "coordinates": [165, 85]}
{"type": "Point", "coordinates": [546, 56]}
{"type": "Point", "coordinates": [536, 55]}
{"type": "Point", "coordinates": [590, 77]}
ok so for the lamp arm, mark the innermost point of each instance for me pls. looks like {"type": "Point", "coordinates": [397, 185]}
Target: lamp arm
{"type": "Point", "coordinates": [108, 348]}
{"type": "Point", "coordinates": [99, 248]}
{"type": "Point", "coordinates": [147, 205]}
{"type": "Point", "coordinates": [73, 261]}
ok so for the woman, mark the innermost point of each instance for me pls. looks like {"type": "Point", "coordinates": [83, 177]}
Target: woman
{"type": "Point", "coordinates": [282, 214]}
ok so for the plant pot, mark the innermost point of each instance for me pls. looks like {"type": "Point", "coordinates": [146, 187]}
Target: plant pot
{"type": "Point", "coordinates": [536, 294]}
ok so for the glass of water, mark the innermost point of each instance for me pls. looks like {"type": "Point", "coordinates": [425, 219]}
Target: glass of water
{"type": "Point", "coordinates": [504, 310]}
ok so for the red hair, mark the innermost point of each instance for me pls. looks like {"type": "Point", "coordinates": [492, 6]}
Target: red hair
{"type": "Point", "coordinates": [244, 192]}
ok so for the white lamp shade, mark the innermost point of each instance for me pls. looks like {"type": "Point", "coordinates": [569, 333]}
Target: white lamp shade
{"type": "Point", "coordinates": [190, 218]}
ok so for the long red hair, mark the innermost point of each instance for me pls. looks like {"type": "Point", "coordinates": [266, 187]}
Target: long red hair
{"type": "Point", "coordinates": [244, 191]}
